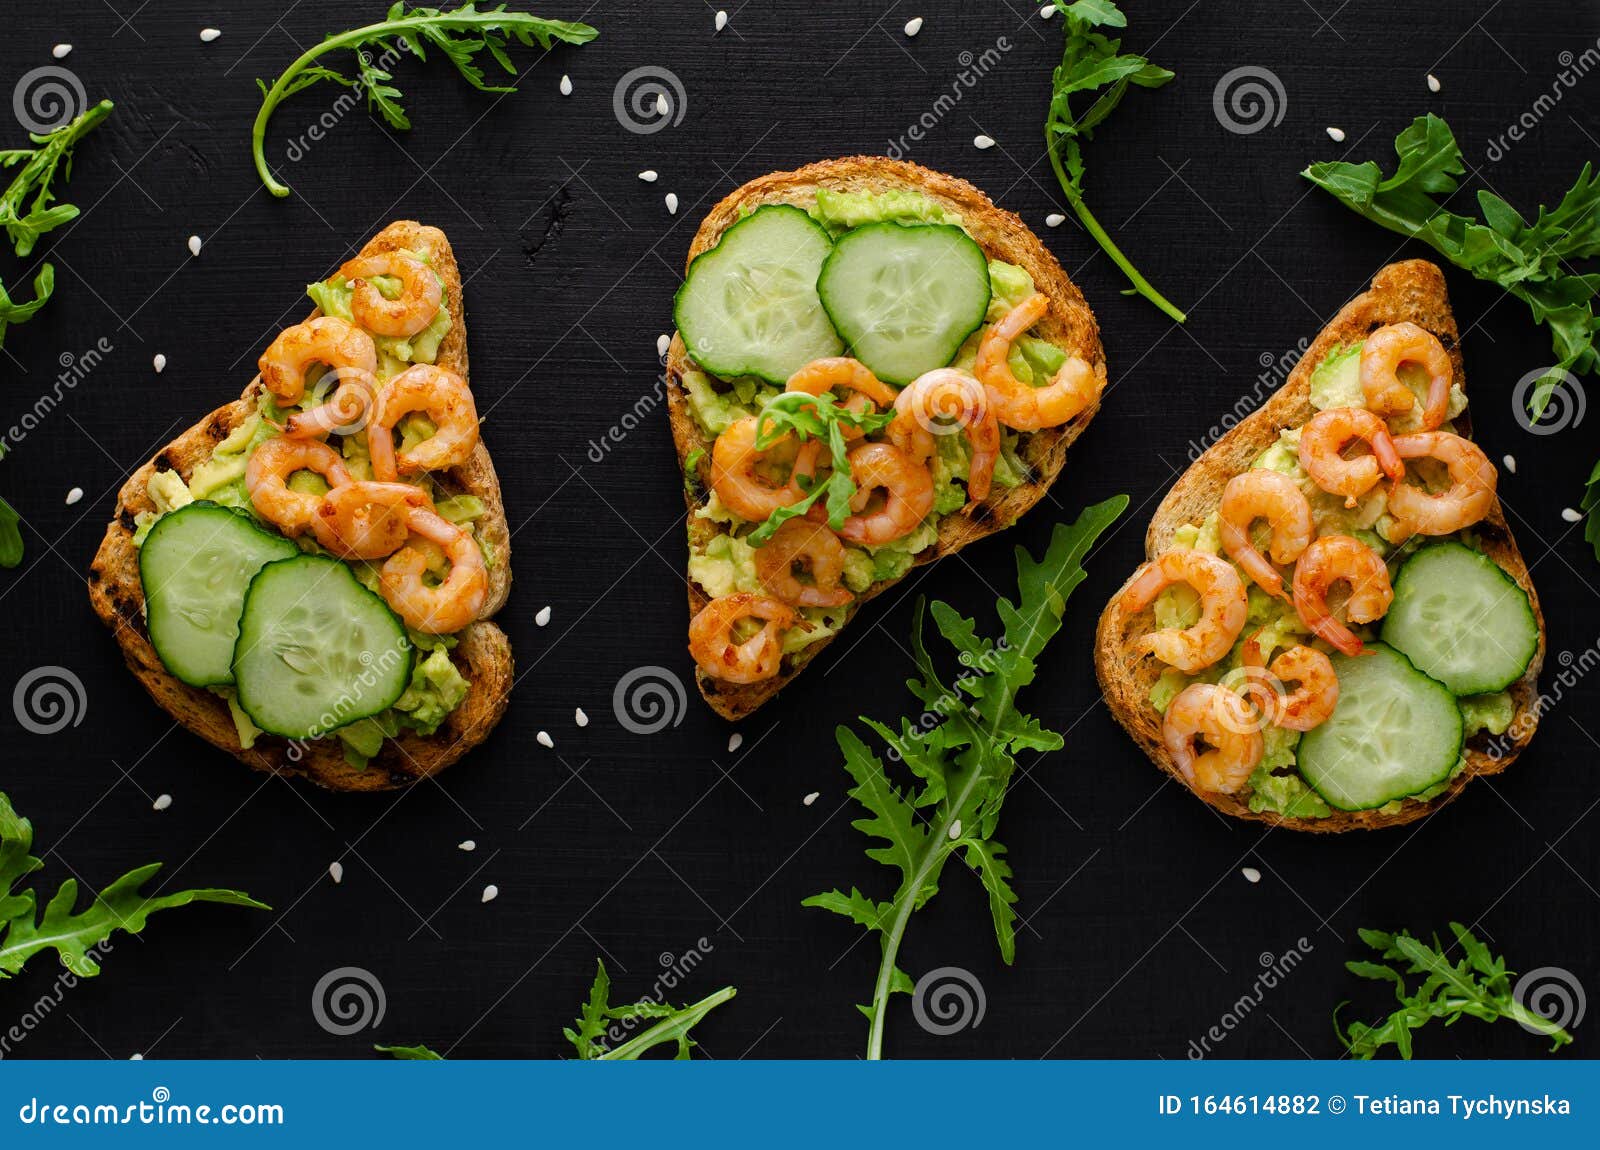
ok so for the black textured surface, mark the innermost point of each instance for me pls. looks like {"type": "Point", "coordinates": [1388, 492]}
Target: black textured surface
{"type": "Point", "coordinates": [1141, 933]}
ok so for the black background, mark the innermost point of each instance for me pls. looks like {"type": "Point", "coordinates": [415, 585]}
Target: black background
{"type": "Point", "coordinates": [1140, 930]}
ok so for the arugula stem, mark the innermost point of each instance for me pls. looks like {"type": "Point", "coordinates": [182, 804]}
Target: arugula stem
{"type": "Point", "coordinates": [669, 1029]}
{"type": "Point", "coordinates": [1092, 226]}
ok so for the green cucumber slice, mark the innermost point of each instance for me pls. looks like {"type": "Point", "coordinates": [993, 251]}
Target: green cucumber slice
{"type": "Point", "coordinates": [1461, 619]}
{"type": "Point", "coordinates": [905, 297]}
{"type": "Point", "coordinates": [316, 649]}
{"type": "Point", "coordinates": [749, 306]}
{"type": "Point", "coordinates": [196, 565]}
{"type": "Point", "coordinates": [1394, 732]}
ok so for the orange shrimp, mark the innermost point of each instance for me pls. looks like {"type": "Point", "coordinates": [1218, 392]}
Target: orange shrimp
{"type": "Point", "coordinates": [738, 470]}
{"type": "Point", "coordinates": [759, 657]}
{"type": "Point", "coordinates": [1076, 385]}
{"type": "Point", "coordinates": [1224, 606]}
{"type": "Point", "coordinates": [947, 401]}
{"type": "Point", "coordinates": [1381, 358]}
{"type": "Point", "coordinates": [814, 547]}
{"type": "Point", "coordinates": [1322, 444]}
{"type": "Point", "coordinates": [1341, 559]}
{"type": "Point", "coordinates": [1273, 496]}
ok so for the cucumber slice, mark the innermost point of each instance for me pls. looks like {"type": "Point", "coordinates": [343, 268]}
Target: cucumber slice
{"type": "Point", "coordinates": [749, 305]}
{"type": "Point", "coordinates": [905, 297]}
{"type": "Point", "coordinates": [195, 566]}
{"type": "Point", "coordinates": [316, 649]}
{"type": "Point", "coordinates": [1462, 620]}
{"type": "Point", "coordinates": [1393, 733]}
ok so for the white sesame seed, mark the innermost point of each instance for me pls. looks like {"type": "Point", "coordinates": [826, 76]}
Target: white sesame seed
{"type": "Point", "coordinates": [983, 143]}
{"type": "Point", "coordinates": [672, 203]}
{"type": "Point", "coordinates": [735, 741]}
{"type": "Point", "coordinates": [1511, 463]}
{"type": "Point", "coordinates": [543, 617]}
{"type": "Point", "coordinates": [135, 1058]}
{"type": "Point", "coordinates": [194, 245]}
{"type": "Point", "coordinates": [209, 34]}
{"type": "Point", "coordinates": [466, 845]}
{"type": "Point", "coordinates": [1054, 220]}
{"type": "Point", "coordinates": [162, 803]}
{"type": "Point", "coordinates": [1047, 11]}
{"type": "Point", "coordinates": [913, 25]}
{"type": "Point", "coordinates": [955, 830]}
{"type": "Point", "coordinates": [336, 871]}
{"type": "Point", "coordinates": [663, 105]}
{"type": "Point", "coordinates": [490, 893]}
{"type": "Point", "coordinates": [648, 175]}
{"type": "Point", "coordinates": [1433, 82]}
{"type": "Point", "coordinates": [1336, 135]}
{"type": "Point", "coordinates": [544, 740]}
{"type": "Point", "coordinates": [811, 798]}
{"type": "Point", "coordinates": [566, 85]}
{"type": "Point", "coordinates": [159, 363]}
{"type": "Point", "coordinates": [721, 20]}
{"type": "Point", "coordinates": [74, 495]}
{"type": "Point", "coordinates": [1570, 515]}
{"type": "Point", "coordinates": [663, 342]}
{"type": "Point", "coordinates": [1251, 874]}
{"type": "Point", "coordinates": [580, 718]}
{"type": "Point", "coordinates": [60, 51]}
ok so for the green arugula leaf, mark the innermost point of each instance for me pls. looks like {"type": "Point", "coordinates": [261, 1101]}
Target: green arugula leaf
{"type": "Point", "coordinates": [819, 417]}
{"type": "Point", "coordinates": [74, 934]}
{"type": "Point", "coordinates": [962, 754]}
{"type": "Point", "coordinates": [459, 34]}
{"type": "Point", "coordinates": [410, 1053]}
{"type": "Point", "coordinates": [10, 535]}
{"type": "Point", "coordinates": [1093, 64]}
{"type": "Point", "coordinates": [674, 1026]}
{"type": "Point", "coordinates": [1476, 986]}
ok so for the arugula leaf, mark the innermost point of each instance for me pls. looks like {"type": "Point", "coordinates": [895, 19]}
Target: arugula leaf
{"type": "Point", "coordinates": [71, 934]}
{"type": "Point", "coordinates": [674, 1026]}
{"type": "Point", "coordinates": [459, 35]}
{"type": "Point", "coordinates": [963, 763]}
{"type": "Point", "coordinates": [410, 1053]}
{"type": "Point", "coordinates": [814, 417]}
{"type": "Point", "coordinates": [10, 535]}
{"type": "Point", "coordinates": [1479, 986]}
{"type": "Point", "coordinates": [1091, 62]}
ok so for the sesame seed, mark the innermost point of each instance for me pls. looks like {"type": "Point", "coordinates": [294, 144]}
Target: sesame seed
{"type": "Point", "coordinates": [1511, 463]}
{"type": "Point", "coordinates": [955, 830]}
{"type": "Point", "coordinates": [74, 495]}
{"type": "Point", "coordinates": [1047, 11]}
{"type": "Point", "coordinates": [1054, 220]}
{"type": "Point", "coordinates": [490, 893]}
{"type": "Point", "coordinates": [580, 718]}
{"type": "Point", "coordinates": [648, 175]}
{"type": "Point", "coordinates": [543, 617]}
{"type": "Point", "coordinates": [336, 871]}
{"type": "Point", "coordinates": [1433, 82]}
{"type": "Point", "coordinates": [466, 845]}
{"type": "Point", "coordinates": [672, 203]}
{"type": "Point", "coordinates": [663, 105]}
{"type": "Point", "coordinates": [60, 51]}
{"type": "Point", "coordinates": [721, 20]}
{"type": "Point", "coordinates": [1251, 874]}
{"type": "Point", "coordinates": [811, 798]}
{"type": "Point", "coordinates": [135, 1058]}
{"type": "Point", "coordinates": [735, 741]}
{"type": "Point", "coordinates": [159, 363]}
{"type": "Point", "coordinates": [162, 803]}
{"type": "Point", "coordinates": [983, 143]}
{"type": "Point", "coordinates": [913, 25]}
{"type": "Point", "coordinates": [1570, 515]}
{"type": "Point", "coordinates": [194, 245]}
{"type": "Point", "coordinates": [209, 34]}
{"type": "Point", "coordinates": [662, 343]}
{"type": "Point", "coordinates": [566, 85]}
{"type": "Point", "coordinates": [1336, 135]}
{"type": "Point", "coordinates": [544, 740]}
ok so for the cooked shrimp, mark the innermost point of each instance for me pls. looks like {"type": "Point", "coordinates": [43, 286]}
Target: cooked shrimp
{"type": "Point", "coordinates": [1310, 703]}
{"type": "Point", "coordinates": [327, 340]}
{"type": "Point", "coordinates": [345, 411]}
{"type": "Point", "coordinates": [907, 488]}
{"type": "Point", "coordinates": [366, 520]}
{"type": "Point", "coordinates": [1273, 496]}
{"type": "Point", "coordinates": [266, 478]}
{"type": "Point", "coordinates": [1226, 723]}
{"type": "Point", "coordinates": [453, 603]}
{"type": "Point", "coordinates": [416, 306]}
{"type": "Point", "coordinates": [721, 656]}
{"type": "Point", "coordinates": [1322, 444]}
{"type": "Point", "coordinates": [813, 547]}
{"type": "Point", "coordinates": [841, 373]}
{"type": "Point", "coordinates": [944, 402]}
{"type": "Point", "coordinates": [1223, 608]}
{"type": "Point", "coordinates": [1340, 559]}
{"type": "Point", "coordinates": [1381, 357]}
{"type": "Point", "coordinates": [1471, 493]}
{"type": "Point", "coordinates": [446, 399]}
{"type": "Point", "coordinates": [1016, 404]}
{"type": "Point", "coordinates": [741, 474]}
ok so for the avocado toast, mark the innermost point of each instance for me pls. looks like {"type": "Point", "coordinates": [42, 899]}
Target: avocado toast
{"type": "Point", "coordinates": [1439, 687]}
{"type": "Point", "coordinates": [417, 699]}
{"type": "Point", "coordinates": [880, 274]}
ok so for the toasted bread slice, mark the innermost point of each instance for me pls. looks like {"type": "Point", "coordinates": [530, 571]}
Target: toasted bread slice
{"type": "Point", "coordinates": [1413, 290]}
{"type": "Point", "coordinates": [1002, 235]}
{"type": "Point", "coordinates": [483, 653]}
